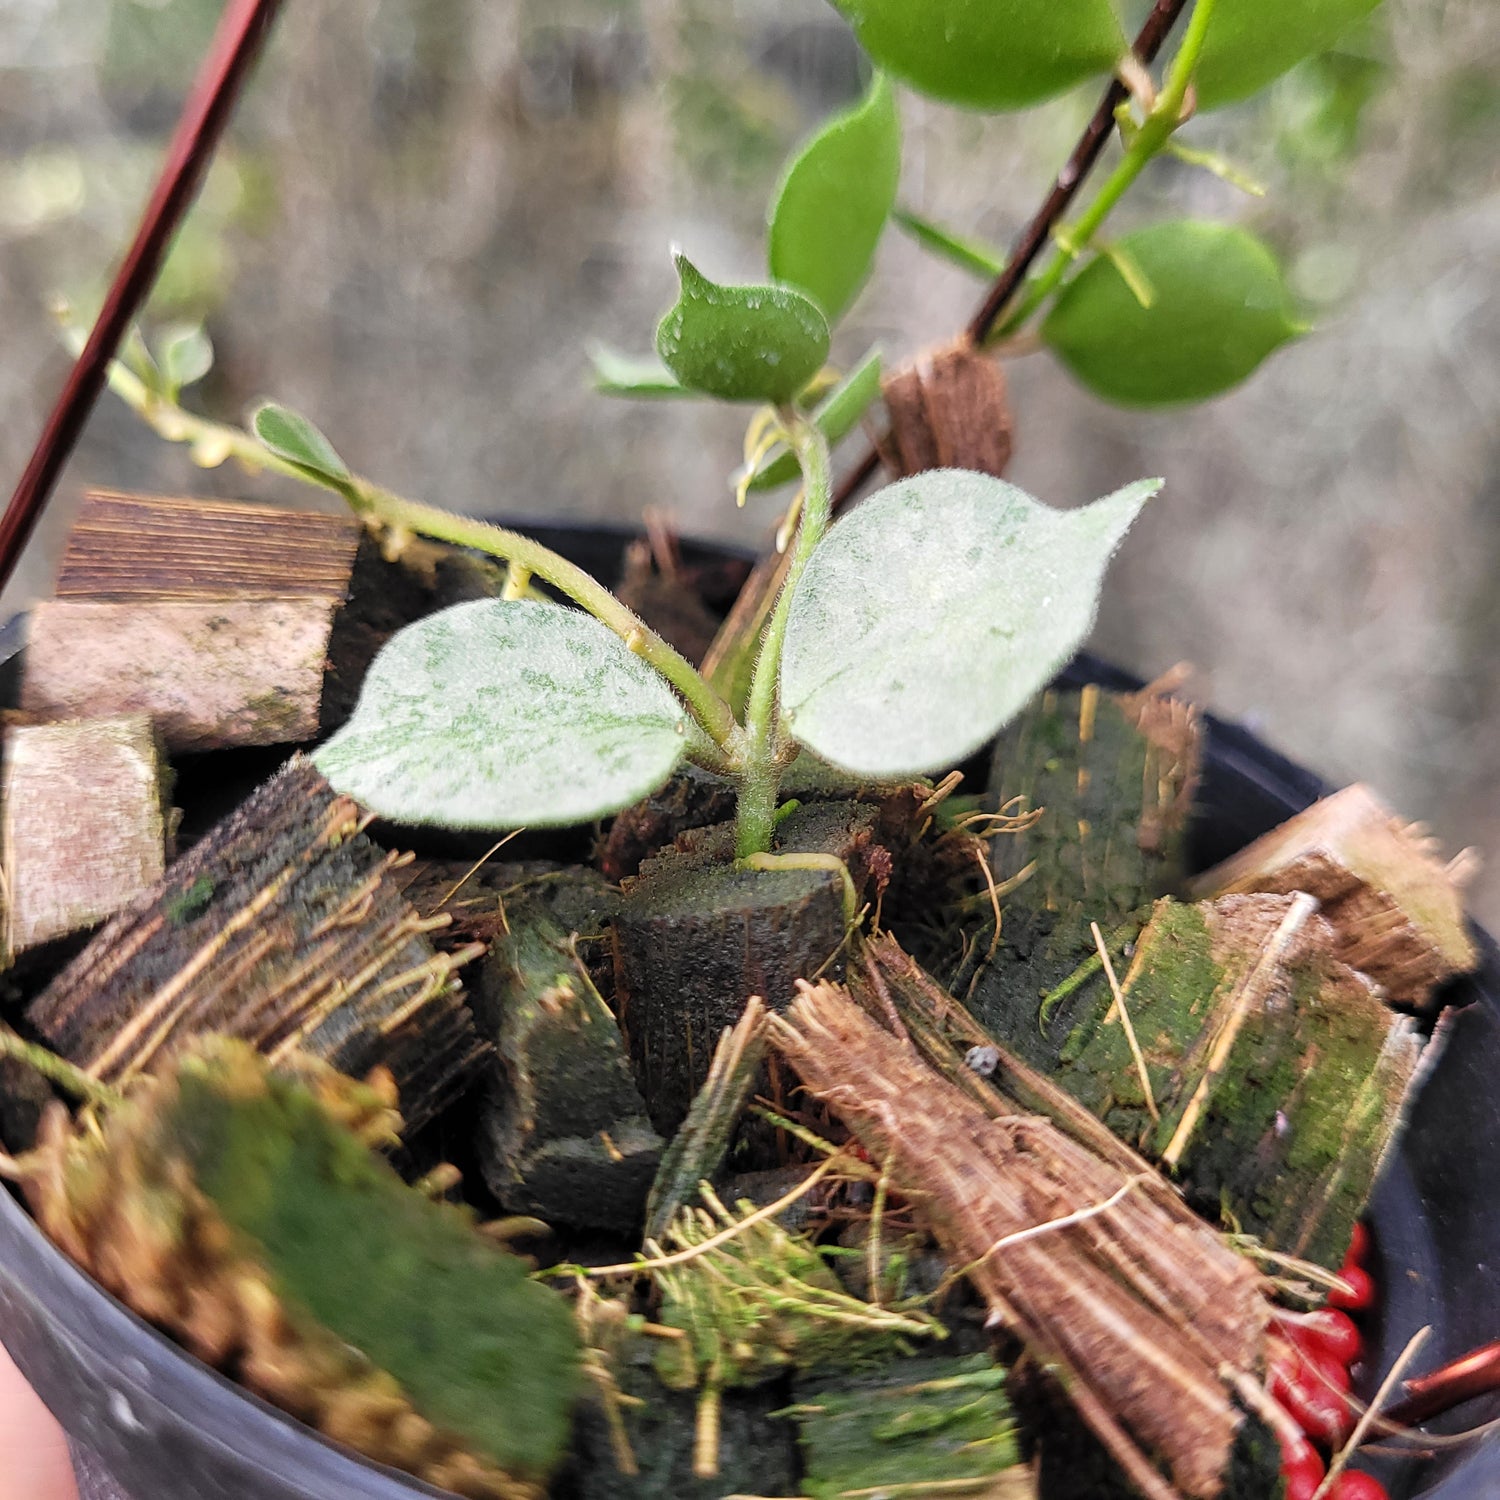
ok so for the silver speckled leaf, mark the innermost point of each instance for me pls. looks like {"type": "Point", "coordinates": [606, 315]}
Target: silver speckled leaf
{"type": "Point", "coordinates": [503, 714]}
{"type": "Point", "coordinates": [930, 615]}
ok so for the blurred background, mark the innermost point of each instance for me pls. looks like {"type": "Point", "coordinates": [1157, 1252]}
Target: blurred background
{"type": "Point", "coordinates": [427, 210]}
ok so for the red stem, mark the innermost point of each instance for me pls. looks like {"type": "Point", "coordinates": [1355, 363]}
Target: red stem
{"type": "Point", "coordinates": [236, 44]}
{"type": "Point", "coordinates": [1474, 1374]}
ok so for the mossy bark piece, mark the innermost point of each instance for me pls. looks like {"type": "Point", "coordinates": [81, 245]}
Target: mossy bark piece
{"type": "Point", "coordinates": [919, 1422]}
{"type": "Point", "coordinates": [694, 940]}
{"type": "Point", "coordinates": [949, 410]}
{"type": "Point", "coordinates": [1278, 1077]}
{"type": "Point", "coordinates": [563, 1132]}
{"type": "Point", "coordinates": [1153, 1385]}
{"type": "Point", "coordinates": [246, 1213]}
{"type": "Point", "coordinates": [281, 927]}
{"type": "Point", "coordinates": [1281, 1077]}
{"type": "Point", "coordinates": [1113, 777]}
{"type": "Point", "coordinates": [1396, 906]}
{"type": "Point", "coordinates": [85, 824]}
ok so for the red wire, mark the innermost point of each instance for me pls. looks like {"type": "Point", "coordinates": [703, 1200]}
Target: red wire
{"type": "Point", "coordinates": [236, 44]}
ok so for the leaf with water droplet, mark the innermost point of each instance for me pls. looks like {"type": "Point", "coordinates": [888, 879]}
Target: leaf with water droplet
{"type": "Point", "coordinates": [989, 54]}
{"type": "Point", "coordinates": [834, 199]}
{"type": "Point", "coordinates": [1251, 42]}
{"type": "Point", "coordinates": [835, 417]}
{"type": "Point", "coordinates": [290, 436]}
{"type": "Point", "coordinates": [1218, 306]}
{"type": "Point", "coordinates": [504, 714]}
{"type": "Point", "coordinates": [931, 614]}
{"type": "Point", "coordinates": [741, 343]}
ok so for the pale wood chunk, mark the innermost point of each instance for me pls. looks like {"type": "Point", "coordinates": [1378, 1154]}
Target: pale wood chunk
{"type": "Point", "coordinates": [84, 824]}
{"type": "Point", "coordinates": [212, 674]}
{"type": "Point", "coordinates": [152, 547]}
{"type": "Point", "coordinates": [213, 617]}
{"type": "Point", "coordinates": [1396, 906]}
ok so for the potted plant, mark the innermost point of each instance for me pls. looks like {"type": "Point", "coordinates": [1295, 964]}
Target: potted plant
{"type": "Point", "coordinates": [883, 650]}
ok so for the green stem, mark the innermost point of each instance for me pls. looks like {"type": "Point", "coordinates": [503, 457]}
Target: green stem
{"type": "Point", "coordinates": [1149, 142]}
{"type": "Point", "coordinates": [761, 769]}
{"type": "Point", "coordinates": [213, 442]}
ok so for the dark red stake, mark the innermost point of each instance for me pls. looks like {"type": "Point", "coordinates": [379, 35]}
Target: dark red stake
{"type": "Point", "coordinates": [236, 45]}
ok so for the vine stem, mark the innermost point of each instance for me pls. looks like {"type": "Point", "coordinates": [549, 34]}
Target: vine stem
{"type": "Point", "coordinates": [213, 442]}
{"type": "Point", "coordinates": [761, 773]}
{"type": "Point", "coordinates": [1164, 118]}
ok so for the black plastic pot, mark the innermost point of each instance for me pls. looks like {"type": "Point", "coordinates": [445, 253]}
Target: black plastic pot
{"type": "Point", "coordinates": [168, 1428]}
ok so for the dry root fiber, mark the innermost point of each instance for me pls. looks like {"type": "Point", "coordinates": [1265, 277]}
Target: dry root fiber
{"type": "Point", "coordinates": [1140, 1313]}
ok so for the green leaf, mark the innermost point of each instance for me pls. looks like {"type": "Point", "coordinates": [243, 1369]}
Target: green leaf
{"type": "Point", "coordinates": [617, 374]}
{"type": "Point", "coordinates": [969, 255]}
{"type": "Point", "coordinates": [931, 615]}
{"type": "Point", "coordinates": [989, 54]}
{"type": "Point", "coordinates": [741, 343]}
{"type": "Point", "coordinates": [291, 436]}
{"type": "Point", "coordinates": [1218, 307]}
{"type": "Point", "coordinates": [1250, 42]}
{"type": "Point", "coordinates": [504, 714]}
{"type": "Point", "coordinates": [834, 200]}
{"type": "Point", "coordinates": [186, 355]}
{"type": "Point", "coordinates": [835, 417]}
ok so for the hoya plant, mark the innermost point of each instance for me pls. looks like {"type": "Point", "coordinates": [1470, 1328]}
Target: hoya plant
{"type": "Point", "coordinates": [907, 632]}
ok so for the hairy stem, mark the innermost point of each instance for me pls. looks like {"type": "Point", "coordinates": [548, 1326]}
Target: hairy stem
{"type": "Point", "coordinates": [1166, 116]}
{"type": "Point", "coordinates": [761, 773]}
{"type": "Point", "coordinates": [213, 442]}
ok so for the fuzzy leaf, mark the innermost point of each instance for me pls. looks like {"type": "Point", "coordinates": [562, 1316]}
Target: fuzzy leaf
{"type": "Point", "coordinates": [1217, 307]}
{"type": "Point", "coordinates": [617, 374]}
{"type": "Point", "coordinates": [932, 614]}
{"type": "Point", "coordinates": [291, 436]}
{"type": "Point", "coordinates": [968, 254]}
{"type": "Point", "coordinates": [834, 200]}
{"type": "Point", "coordinates": [989, 54]}
{"type": "Point", "coordinates": [187, 355]}
{"type": "Point", "coordinates": [502, 714]}
{"type": "Point", "coordinates": [1250, 42]}
{"type": "Point", "coordinates": [835, 417]}
{"type": "Point", "coordinates": [741, 343]}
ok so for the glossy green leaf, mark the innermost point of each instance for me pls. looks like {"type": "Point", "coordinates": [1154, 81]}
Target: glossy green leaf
{"type": "Point", "coordinates": [291, 436]}
{"type": "Point", "coordinates": [989, 54]}
{"type": "Point", "coordinates": [503, 714]}
{"type": "Point", "coordinates": [186, 355]}
{"type": "Point", "coordinates": [1250, 42]}
{"type": "Point", "coordinates": [741, 343]}
{"type": "Point", "coordinates": [835, 416]}
{"type": "Point", "coordinates": [618, 374]}
{"type": "Point", "coordinates": [834, 199]}
{"type": "Point", "coordinates": [931, 614]}
{"type": "Point", "coordinates": [968, 254]}
{"type": "Point", "coordinates": [1218, 306]}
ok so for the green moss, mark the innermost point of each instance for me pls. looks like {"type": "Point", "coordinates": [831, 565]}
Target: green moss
{"type": "Point", "coordinates": [921, 1421]}
{"type": "Point", "coordinates": [479, 1349]}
